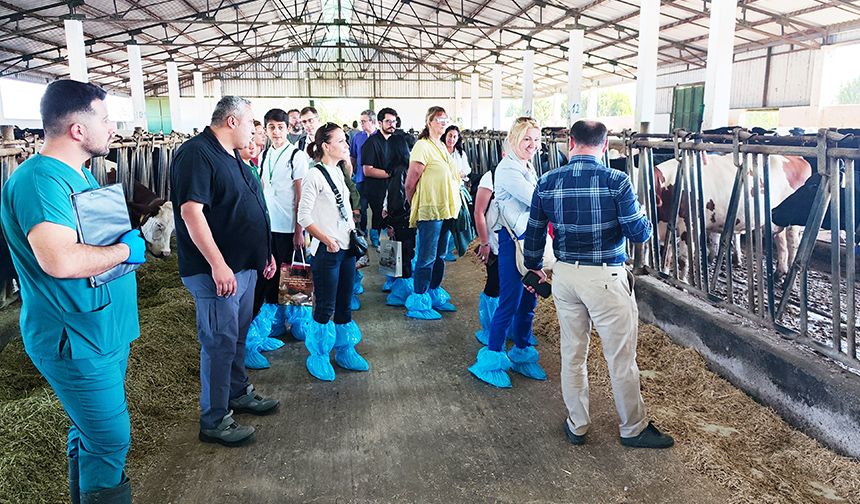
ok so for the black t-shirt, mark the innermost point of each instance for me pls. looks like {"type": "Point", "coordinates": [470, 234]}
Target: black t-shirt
{"type": "Point", "coordinates": [391, 155]}
{"type": "Point", "coordinates": [233, 205]}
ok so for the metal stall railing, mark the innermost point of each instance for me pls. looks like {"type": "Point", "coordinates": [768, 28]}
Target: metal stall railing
{"type": "Point", "coordinates": [688, 183]}
{"type": "Point", "coordinates": [740, 274]}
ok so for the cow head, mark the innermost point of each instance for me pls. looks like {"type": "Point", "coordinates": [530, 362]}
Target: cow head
{"type": "Point", "coordinates": [158, 229]}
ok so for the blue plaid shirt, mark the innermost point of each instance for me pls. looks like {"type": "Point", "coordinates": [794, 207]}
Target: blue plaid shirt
{"type": "Point", "coordinates": [592, 209]}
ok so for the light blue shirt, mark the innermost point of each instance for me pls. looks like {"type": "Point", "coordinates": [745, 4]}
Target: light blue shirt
{"type": "Point", "coordinates": [61, 318]}
{"type": "Point", "coordinates": [514, 185]}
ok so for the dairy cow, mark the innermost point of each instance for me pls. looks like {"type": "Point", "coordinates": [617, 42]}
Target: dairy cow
{"type": "Point", "coordinates": [786, 174]}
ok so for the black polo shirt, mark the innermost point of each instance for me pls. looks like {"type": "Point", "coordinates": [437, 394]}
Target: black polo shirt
{"type": "Point", "coordinates": [391, 155]}
{"type": "Point", "coordinates": [202, 171]}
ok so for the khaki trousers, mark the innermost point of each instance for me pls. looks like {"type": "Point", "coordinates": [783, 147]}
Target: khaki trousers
{"type": "Point", "coordinates": [602, 295]}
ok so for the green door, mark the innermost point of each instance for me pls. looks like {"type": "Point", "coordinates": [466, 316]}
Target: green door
{"type": "Point", "coordinates": [158, 115]}
{"type": "Point", "coordinates": [688, 106]}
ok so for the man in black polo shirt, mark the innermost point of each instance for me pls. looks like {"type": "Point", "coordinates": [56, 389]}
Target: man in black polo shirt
{"type": "Point", "coordinates": [385, 159]}
{"type": "Point", "coordinates": [223, 237]}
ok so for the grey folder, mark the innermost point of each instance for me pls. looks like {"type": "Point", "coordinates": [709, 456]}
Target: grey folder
{"type": "Point", "coordinates": [101, 217]}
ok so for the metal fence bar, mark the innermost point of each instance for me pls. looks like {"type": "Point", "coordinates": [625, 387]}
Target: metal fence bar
{"type": "Point", "coordinates": [768, 237]}
{"type": "Point", "coordinates": [835, 256]}
{"type": "Point", "coordinates": [850, 258]}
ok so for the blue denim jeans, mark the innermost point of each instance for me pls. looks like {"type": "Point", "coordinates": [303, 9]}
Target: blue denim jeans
{"type": "Point", "coordinates": [333, 283]}
{"type": "Point", "coordinates": [516, 304]}
{"type": "Point", "coordinates": [431, 247]}
{"type": "Point", "coordinates": [222, 326]}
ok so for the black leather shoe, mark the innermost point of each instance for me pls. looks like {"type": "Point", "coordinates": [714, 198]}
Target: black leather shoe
{"type": "Point", "coordinates": [571, 437]}
{"type": "Point", "coordinates": [651, 437]}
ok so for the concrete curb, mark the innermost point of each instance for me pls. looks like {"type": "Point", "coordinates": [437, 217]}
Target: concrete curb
{"type": "Point", "coordinates": [813, 394]}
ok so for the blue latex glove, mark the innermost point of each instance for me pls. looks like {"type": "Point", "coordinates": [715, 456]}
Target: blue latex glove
{"type": "Point", "coordinates": [136, 246]}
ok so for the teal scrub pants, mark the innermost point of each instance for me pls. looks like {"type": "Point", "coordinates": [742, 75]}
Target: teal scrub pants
{"type": "Point", "coordinates": [92, 391]}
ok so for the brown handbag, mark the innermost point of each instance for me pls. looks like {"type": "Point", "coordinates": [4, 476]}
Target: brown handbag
{"type": "Point", "coordinates": [296, 285]}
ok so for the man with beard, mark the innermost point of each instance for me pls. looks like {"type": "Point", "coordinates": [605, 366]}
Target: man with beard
{"type": "Point", "coordinates": [385, 156]}
{"type": "Point", "coordinates": [77, 336]}
{"type": "Point", "coordinates": [295, 133]}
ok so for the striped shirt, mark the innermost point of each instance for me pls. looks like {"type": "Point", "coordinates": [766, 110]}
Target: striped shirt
{"type": "Point", "coordinates": [592, 209]}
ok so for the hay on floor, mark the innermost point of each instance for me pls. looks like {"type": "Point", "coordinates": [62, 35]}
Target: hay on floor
{"type": "Point", "coordinates": [162, 388]}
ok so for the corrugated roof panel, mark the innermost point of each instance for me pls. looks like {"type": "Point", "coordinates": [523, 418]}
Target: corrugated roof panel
{"type": "Point", "coordinates": [788, 86]}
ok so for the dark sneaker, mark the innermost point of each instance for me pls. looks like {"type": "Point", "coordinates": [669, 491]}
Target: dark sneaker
{"type": "Point", "coordinates": [228, 433]}
{"type": "Point", "coordinates": [253, 403]}
{"type": "Point", "coordinates": [572, 438]}
{"type": "Point", "coordinates": [651, 437]}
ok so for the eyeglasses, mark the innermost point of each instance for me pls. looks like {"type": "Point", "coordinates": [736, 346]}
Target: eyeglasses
{"type": "Point", "coordinates": [442, 120]}
{"type": "Point", "coordinates": [389, 121]}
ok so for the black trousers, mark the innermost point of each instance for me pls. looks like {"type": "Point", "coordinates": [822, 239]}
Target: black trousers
{"type": "Point", "coordinates": [406, 236]}
{"type": "Point", "coordinates": [491, 288]}
{"type": "Point", "coordinates": [266, 291]}
{"type": "Point", "coordinates": [374, 190]}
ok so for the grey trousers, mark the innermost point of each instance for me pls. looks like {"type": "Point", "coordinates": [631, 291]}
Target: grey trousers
{"type": "Point", "coordinates": [222, 325]}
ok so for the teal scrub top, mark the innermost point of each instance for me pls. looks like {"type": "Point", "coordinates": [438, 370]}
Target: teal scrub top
{"type": "Point", "coordinates": [61, 318]}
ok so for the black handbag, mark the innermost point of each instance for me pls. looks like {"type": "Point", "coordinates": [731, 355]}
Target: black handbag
{"type": "Point", "coordinates": [357, 241]}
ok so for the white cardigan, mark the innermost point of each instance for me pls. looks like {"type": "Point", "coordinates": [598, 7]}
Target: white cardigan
{"type": "Point", "coordinates": [318, 206]}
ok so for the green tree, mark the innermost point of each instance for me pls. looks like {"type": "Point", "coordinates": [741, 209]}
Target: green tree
{"type": "Point", "coordinates": [849, 93]}
{"type": "Point", "coordinates": [542, 110]}
{"type": "Point", "coordinates": [614, 104]}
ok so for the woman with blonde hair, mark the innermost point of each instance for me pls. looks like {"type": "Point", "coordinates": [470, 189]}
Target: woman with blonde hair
{"type": "Point", "coordinates": [514, 183]}
{"type": "Point", "coordinates": [433, 187]}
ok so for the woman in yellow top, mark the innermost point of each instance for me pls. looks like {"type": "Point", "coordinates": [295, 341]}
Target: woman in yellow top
{"type": "Point", "coordinates": [433, 188]}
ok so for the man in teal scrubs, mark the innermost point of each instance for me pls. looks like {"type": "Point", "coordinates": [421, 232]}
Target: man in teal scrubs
{"type": "Point", "coordinates": [78, 336]}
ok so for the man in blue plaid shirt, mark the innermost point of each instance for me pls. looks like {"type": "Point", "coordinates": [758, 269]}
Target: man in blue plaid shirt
{"type": "Point", "coordinates": [593, 211]}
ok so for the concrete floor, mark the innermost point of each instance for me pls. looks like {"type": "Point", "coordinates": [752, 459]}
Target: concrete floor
{"type": "Point", "coordinates": [418, 428]}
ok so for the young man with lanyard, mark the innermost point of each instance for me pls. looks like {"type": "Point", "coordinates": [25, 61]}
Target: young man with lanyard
{"type": "Point", "coordinates": [77, 335]}
{"type": "Point", "coordinates": [224, 240]}
{"type": "Point", "coordinates": [282, 168]}
{"type": "Point", "coordinates": [386, 161]}
{"type": "Point", "coordinates": [368, 127]}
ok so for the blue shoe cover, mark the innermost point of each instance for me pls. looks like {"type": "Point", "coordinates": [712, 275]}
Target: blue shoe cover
{"type": "Point", "coordinates": [357, 288]}
{"type": "Point", "coordinates": [300, 318]}
{"type": "Point", "coordinates": [255, 360]}
{"type": "Point", "coordinates": [486, 309]}
{"type": "Point", "coordinates": [269, 344]}
{"type": "Point", "coordinates": [319, 342]}
{"type": "Point", "coordinates": [389, 282]}
{"type": "Point", "coordinates": [253, 342]}
{"type": "Point", "coordinates": [491, 367]}
{"type": "Point", "coordinates": [450, 257]}
{"type": "Point", "coordinates": [401, 289]}
{"type": "Point", "coordinates": [346, 337]}
{"type": "Point", "coordinates": [279, 320]}
{"type": "Point", "coordinates": [354, 303]}
{"type": "Point", "coordinates": [440, 300]}
{"type": "Point", "coordinates": [420, 306]}
{"type": "Point", "coordinates": [374, 237]}
{"type": "Point", "coordinates": [525, 362]}
{"type": "Point", "coordinates": [532, 340]}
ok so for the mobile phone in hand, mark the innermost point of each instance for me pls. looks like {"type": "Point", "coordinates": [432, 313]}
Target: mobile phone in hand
{"type": "Point", "coordinates": [531, 279]}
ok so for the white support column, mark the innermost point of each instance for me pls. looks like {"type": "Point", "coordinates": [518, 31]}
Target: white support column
{"type": "Point", "coordinates": [458, 99]}
{"type": "Point", "coordinates": [474, 95]}
{"type": "Point", "coordinates": [75, 50]}
{"type": "Point", "coordinates": [135, 73]}
{"type": "Point", "coordinates": [173, 96]}
{"type": "Point", "coordinates": [528, 82]}
{"type": "Point", "coordinates": [216, 90]}
{"type": "Point", "coordinates": [199, 100]}
{"type": "Point", "coordinates": [575, 59]}
{"type": "Point", "coordinates": [593, 103]}
{"type": "Point", "coordinates": [718, 74]}
{"type": "Point", "coordinates": [497, 97]}
{"type": "Point", "coordinates": [646, 67]}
